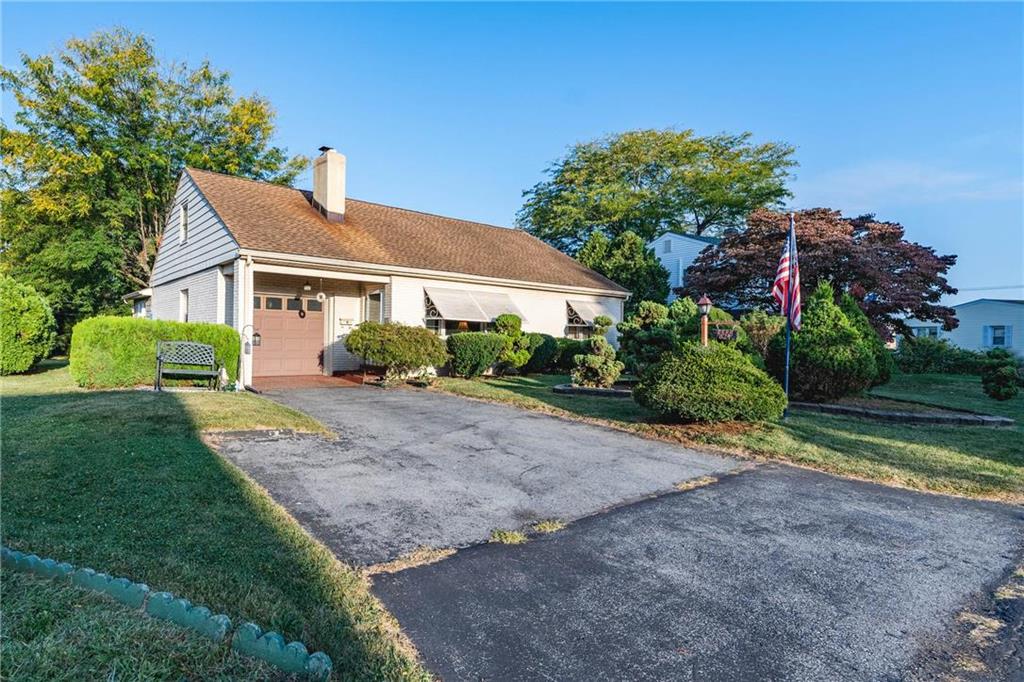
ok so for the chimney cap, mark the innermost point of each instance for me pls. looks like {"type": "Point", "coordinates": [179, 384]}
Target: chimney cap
{"type": "Point", "coordinates": [326, 149]}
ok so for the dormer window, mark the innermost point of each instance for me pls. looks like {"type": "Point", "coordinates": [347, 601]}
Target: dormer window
{"type": "Point", "coordinates": [183, 223]}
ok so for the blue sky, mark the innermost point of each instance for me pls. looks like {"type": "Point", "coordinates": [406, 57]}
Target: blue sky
{"type": "Point", "coordinates": [910, 111]}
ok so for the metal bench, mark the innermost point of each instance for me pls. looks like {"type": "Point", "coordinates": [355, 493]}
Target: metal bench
{"type": "Point", "coordinates": [198, 357]}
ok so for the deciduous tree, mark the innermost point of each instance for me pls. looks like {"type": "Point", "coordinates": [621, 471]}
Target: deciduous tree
{"type": "Point", "coordinates": [891, 278]}
{"type": "Point", "coordinates": [101, 133]}
{"type": "Point", "coordinates": [653, 181]}
{"type": "Point", "coordinates": [627, 261]}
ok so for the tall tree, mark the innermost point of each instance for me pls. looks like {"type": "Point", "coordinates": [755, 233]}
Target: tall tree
{"type": "Point", "coordinates": [654, 181]}
{"type": "Point", "coordinates": [890, 277]}
{"type": "Point", "coordinates": [627, 261]}
{"type": "Point", "coordinates": [102, 131]}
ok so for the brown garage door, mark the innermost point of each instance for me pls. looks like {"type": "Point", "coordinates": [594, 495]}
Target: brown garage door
{"type": "Point", "coordinates": [292, 336]}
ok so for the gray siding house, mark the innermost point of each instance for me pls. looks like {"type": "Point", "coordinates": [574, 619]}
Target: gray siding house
{"type": "Point", "coordinates": [677, 252]}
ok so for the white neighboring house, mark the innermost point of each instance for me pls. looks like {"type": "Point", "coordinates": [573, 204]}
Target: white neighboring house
{"type": "Point", "coordinates": [300, 269]}
{"type": "Point", "coordinates": [985, 323]}
{"type": "Point", "coordinates": [677, 252]}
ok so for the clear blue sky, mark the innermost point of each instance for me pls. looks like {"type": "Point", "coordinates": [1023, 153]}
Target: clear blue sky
{"type": "Point", "coordinates": [910, 111]}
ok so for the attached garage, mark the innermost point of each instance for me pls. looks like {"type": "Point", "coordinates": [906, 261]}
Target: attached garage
{"type": "Point", "coordinates": [291, 336]}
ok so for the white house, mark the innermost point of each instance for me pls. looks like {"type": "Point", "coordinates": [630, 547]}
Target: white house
{"type": "Point", "coordinates": [985, 323]}
{"type": "Point", "coordinates": [301, 269]}
{"type": "Point", "coordinates": [677, 252]}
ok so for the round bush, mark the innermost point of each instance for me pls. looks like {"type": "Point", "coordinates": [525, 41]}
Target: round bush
{"type": "Point", "coordinates": [568, 349]}
{"type": "Point", "coordinates": [543, 352]}
{"type": "Point", "coordinates": [516, 352]}
{"type": "Point", "coordinates": [400, 349]}
{"type": "Point", "coordinates": [829, 357]}
{"type": "Point", "coordinates": [715, 383]}
{"type": "Point", "coordinates": [596, 366]}
{"type": "Point", "coordinates": [27, 327]}
{"type": "Point", "coordinates": [473, 353]}
{"type": "Point", "coordinates": [999, 375]}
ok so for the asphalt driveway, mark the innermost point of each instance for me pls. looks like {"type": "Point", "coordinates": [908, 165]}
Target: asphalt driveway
{"type": "Point", "coordinates": [775, 573]}
{"type": "Point", "coordinates": [416, 468]}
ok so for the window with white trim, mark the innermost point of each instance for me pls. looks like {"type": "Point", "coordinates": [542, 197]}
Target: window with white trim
{"type": "Point", "coordinates": [183, 305]}
{"type": "Point", "coordinates": [373, 307]}
{"type": "Point", "coordinates": [666, 246]}
{"type": "Point", "coordinates": [930, 332]}
{"type": "Point", "coordinates": [998, 336]}
{"type": "Point", "coordinates": [183, 222]}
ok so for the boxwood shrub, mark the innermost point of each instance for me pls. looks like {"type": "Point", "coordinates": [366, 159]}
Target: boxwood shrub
{"type": "Point", "coordinates": [27, 327]}
{"type": "Point", "coordinates": [110, 352]}
{"type": "Point", "coordinates": [543, 352]}
{"type": "Point", "coordinates": [402, 350]}
{"type": "Point", "coordinates": [694, 383]}
{"type": "Point", "coordinates": [568, 349]}
{"type": "Point", "coordinates": [473, 353]}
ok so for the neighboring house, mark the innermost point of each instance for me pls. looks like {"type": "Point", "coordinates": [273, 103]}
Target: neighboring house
{"type": "Point", "coordinates": [677, 252]}
{"type": "Point", "coordinates": [140, 302]}
{"type": "Point", "coordinates": [301, 269]}
{"type": "Point", "coordinates": [985, 323]}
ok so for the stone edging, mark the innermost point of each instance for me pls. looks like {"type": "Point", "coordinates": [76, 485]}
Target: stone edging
{"type": "Point", "coordinates": [570, 389]}
{"type": "Point", "coordinates": [247, 639]}
{"type": "Point", "coordinates": [965, 419]}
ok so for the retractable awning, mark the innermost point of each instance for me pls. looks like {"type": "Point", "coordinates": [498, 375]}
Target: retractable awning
{"type": "Point", "coordinates": [471, 306]}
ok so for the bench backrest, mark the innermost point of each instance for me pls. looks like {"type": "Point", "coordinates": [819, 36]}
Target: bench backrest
{"type": "Point", "coordinates": [185, 353]}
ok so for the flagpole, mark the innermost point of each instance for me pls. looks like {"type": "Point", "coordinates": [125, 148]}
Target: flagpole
{"type": "Point", "coordinates": [789, 308]}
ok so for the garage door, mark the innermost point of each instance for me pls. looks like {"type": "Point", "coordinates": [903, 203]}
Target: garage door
{"type": "Point", "coordinates": [292, 336]}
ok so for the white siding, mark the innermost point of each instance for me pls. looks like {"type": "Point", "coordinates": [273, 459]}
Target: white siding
{"type": "Point", "coordinates": [209, 242]}
{"type": "Point", "coordinates": [202, 297]}
{"type": "Point", "coordinates": [545, 311]}
{"type": "Point", "coordinates": [978, 315]}
{"type": "Point", "coordinates": [683, 251]}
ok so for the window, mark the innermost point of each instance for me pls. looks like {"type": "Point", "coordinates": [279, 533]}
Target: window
{"type": "Point", "coordinates": [666, 246]}
{"type": "Point", "coordinates": [436, 326]}
{"type": "Point", "coordinates": [314, 306]}
{"type": "Point", "coordinates": [183, 305]}
{"type": "Point", "coordinates": [930, 332]}
{"type": "Point", "coordinates": [256, 302]}
{"type": "Point", "coordinates": [294, 304]}
{"type": "Point", "coordinates": [374, 308]}
{"type": "Point", "coordinates": [577, 332]}
{"type": "Point", "coordinates": [998, 336]}
{"type": "Point", "coordinates": [446, 328]}
{"type": "Point", "coordinates": [272, 303]}
{"type": "Point", "coordinates": [183, 223]}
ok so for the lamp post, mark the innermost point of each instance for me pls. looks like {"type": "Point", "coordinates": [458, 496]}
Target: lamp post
{"type": "Point", "coordinates": [704, 306]}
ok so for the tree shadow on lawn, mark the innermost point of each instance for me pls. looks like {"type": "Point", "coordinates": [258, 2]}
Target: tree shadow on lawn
{"type": "Point", "coordinates": [119, 481]}
{"type": "Point", "coordinates": [975, 460]}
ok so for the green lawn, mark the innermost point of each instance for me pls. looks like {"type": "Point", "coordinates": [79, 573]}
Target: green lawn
{"type": "Point", "coordinates": [977, 462]}
{"type": "Point", "coordinates": [120, 481]}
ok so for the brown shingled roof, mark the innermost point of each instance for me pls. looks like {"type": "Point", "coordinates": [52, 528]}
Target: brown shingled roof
{"type": "Point", "coordinates": [267, 217]}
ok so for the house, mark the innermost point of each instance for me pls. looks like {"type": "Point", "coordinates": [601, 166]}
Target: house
{"type": "Point", "coordinates": [677, 252]}
{"type": "Point", "coordinates": [140, 302]}
{"type": "Point", "coordinates": [985, 323]}
{"type": "Point", "coordinates": [294, 271]}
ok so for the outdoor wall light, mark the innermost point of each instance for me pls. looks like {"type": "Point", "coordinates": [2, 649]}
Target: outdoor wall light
{"type": "Point", "coordinates": [307, 287]}
{"type": "Point", "coordinates": [256, 339]}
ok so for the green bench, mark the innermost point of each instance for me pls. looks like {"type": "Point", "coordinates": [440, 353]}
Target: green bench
{"type": "Point", "coordinates": [191, 361]}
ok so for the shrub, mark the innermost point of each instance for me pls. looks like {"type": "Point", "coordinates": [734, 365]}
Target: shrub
{"type": "Point", "coordinates": [694, 383]}
{"type": "Point", "coordinates": [568, 349]}
{"type": "Point", "coordinates": [596, 365]}
{"type": "Point", "coordinates": [829, 357]}
{"type": "Point", "coordinates": [884, 362]}
{"type": "Point", "coordinates": [928, 355]}
{"type": "Point", "coordinates": [108, 352]}
{"type": "Point", "coordinates": [543, 353]}
{"type": "Point", "coordinates": [516, 352]}
{"type": "Point", "coordinates": [645, 335]}
{"type": "Point", "coordinates": [999, 375]}
{"type": "Point", "coordinates": [27, 327]}
{"type": "Point", "coordinates": [761, 327]}
{"type": "Point", "coordinates": [473, 353]}
{"type": "Point", "coordinates": [400, 349]}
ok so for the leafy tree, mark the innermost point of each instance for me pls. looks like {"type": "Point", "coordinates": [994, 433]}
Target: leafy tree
{"type": "Point", "coordinates": [102, 131]}
{"type": "Point", "coordinates": [627, 261]}
{"type": "Point", "coordinates": [893, 278]}
{"type": "Point", "coordinates": [26, 327]}
{"type": "Point", "coordinates": [654, 181]}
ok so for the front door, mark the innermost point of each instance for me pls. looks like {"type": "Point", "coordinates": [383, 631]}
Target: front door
{"type": "Point", "coordinates": [291, 336]}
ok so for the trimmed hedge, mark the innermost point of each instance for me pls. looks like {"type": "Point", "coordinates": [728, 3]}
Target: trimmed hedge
{"type": "Point", "coordinates": [715, 383]}
{"type": "Point", "coordinates": [27, 327]}
{"type": "Point", "coordinates": [568, 349]}
{"type": "Point", "coordinates": [473, 353]}
{"type": "Point", "coordinates": [543, 353]}
{"type": "Point", "coordinates": [927, 355]}
{"type": "Point", "coordinates": [400, 349]}
{"type": "Point", "coordinates": [110, 352]}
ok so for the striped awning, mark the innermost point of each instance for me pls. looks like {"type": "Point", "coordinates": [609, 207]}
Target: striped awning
{"type": "Point", "coordinates": [471, 306]}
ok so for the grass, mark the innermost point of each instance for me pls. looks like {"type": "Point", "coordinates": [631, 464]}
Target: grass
{"type": "Point", "coordinates": [548, 526]}
{"type": "Point", "coordinates": [971, 461]}
{"type": "Point", "coordinates": [120, 481]}
{"type": "Point", "coordinates": [508, 537]}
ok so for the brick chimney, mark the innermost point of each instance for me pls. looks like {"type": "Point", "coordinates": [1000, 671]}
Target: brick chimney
{"type": "Point", "coordinates": [329, 184]}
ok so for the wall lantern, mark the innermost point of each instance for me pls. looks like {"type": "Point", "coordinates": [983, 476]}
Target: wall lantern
{"type": "Point", "coordinates": [307, 287]}
{"type": "Point", "coordinates": [704, 306]}
{"type": "Point", "coordinates": [257, 339]}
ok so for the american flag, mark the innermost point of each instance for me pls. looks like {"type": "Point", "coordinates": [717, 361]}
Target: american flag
{"type": "Point", "coordinates": [786, 289]}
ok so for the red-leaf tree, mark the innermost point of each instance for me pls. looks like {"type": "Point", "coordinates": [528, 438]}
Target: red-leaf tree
{"type": "Point", "coordinates": [890, 277]}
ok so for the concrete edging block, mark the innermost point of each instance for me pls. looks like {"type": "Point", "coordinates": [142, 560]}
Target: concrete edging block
{"type": "Point", "coordinates": [293, 657]}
